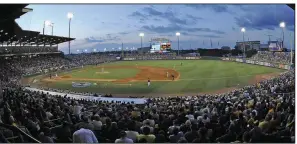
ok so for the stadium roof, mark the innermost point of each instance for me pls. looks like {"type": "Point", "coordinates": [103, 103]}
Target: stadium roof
{"type": "Point", "coordinates": [292, 6]}
{"type": "Point", "coordinates": [11, 32]}
{"type": "Point", "coordinates": [12, 11]}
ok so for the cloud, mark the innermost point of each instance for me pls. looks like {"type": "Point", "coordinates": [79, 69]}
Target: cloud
{"type": "Point", "coordinates": [93, 39]}
{"type": "Point", "coordinates": [169, 15]}
{"type": "Point", "coordinates": [152, 12]}
{"type": "Point", "coordinates": [123, 33]}
{"type": "Point", "coordinates": [173, 28]}
{"type": "Point", "coordinates": [194, 17]}
{"type": "Point", "coordinates": [214, 7]}
{"type": "Point", "coordinates": [137, 14]}
{"type": "Point", "coordinates": [198, 35]}
{"type": "Point", "coordinates": [162, 29]}
{"type": "Point", "coordinates": [260, 17]}
{"type": "Point", "coordinates": [106, 38]}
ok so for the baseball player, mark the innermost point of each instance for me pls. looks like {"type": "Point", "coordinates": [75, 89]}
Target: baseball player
{"type": "Point", "coordinates": [102, 69]}
{"type": "Point", "coordinates": [172, 77]}
{"type": "Point", "coordinates": [181, 64]}
{"type": "Point", "coordinates": [148, 82]}
{"type": "Point", "coordinates": [167, 74]}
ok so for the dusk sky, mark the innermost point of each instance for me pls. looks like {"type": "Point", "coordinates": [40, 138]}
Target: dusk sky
{"type": "Point", "coordinates": [107, 26]}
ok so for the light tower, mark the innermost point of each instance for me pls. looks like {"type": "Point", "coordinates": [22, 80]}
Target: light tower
{"type": "Point", "coordinates": [69, 16]}
{"type": "Point", "coordinates": [282, 25]}
{"type": "Point", "coordinates": [177, 34]}
{"type": "Point", "coordinates": [141, 36]}
{"type": "Point", "coordinates": [243, 31]}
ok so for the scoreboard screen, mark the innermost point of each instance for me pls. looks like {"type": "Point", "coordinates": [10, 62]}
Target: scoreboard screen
{"type": "Point", "coordinates": [160, 45]}
{"type": "Point", "coordinates": [275, 46]}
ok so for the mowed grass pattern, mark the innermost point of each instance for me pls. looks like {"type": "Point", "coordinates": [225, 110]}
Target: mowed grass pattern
{"type": "Point", "coordinates": [196, 76]}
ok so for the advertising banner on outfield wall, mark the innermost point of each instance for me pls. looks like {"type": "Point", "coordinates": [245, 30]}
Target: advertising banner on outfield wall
{"type": "Point", "coordinates": [129, 59]}
{"type": "Point", "coordinates": [287, 67]}
{"type": "Point", "coordinates": [267, 64]}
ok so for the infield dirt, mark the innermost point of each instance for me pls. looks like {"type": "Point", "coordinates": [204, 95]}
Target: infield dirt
{"type": "Point", "coordinates": [145, 73]}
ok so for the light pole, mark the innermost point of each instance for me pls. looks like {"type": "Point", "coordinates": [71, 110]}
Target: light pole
{"type": "Point", "coordinates": [141, 35]}
{"type": "Point", "coordinates": [69, 16]}
{"type": "Point", "coordinates": [243, 31]}
{"type": "Point", "coordinates": [282, 25]}
{"type": "Point", "coordinates": [45, 23]}
{"type": "Point", "coordinates": [177, 34]}
{"type": "Point", "coordinates": [52, 25]}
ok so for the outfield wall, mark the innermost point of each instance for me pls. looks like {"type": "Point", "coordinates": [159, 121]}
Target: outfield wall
{"type": "Point", "coordinates": [160, 58]}
{"type": "Point", "coordinates": [267, 64]}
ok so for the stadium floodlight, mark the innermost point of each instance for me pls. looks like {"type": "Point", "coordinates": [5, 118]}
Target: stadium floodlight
{"type": "Point", "coordinates": [47, 23]}
{"type": "Point", "coordinates": [86, 50]}
{"type": "Point", "coordinates": [1, 31]}
{"type": "Point", "coordinates": [177, 34]}
{"type": "Point", "coordinates": [141, 34]}
{"type": "Point", "coordinates": [6, 33]}
{"type": "Point", "coordinates": [282, 24]}
{"type": "Point", "coordinates": [243, 30]}
{"type": "Point", "coordinates": [69, 16]}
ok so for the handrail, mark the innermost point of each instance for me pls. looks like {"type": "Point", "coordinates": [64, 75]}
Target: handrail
{"type": "Point", "coordinates": [57, 126]}
{"type": "Point", "coordinates": [52, 120]}
{"type": "Point", "coordinates": [17, 129]}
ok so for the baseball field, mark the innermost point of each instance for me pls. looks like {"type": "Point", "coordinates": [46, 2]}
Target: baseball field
{"type": "Point", "coordinates": [130, 78]}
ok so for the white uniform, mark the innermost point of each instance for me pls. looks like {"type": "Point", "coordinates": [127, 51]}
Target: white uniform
{"type": "Point", "coordinates": [148, 83]}
{"type": "Point", "coordinates": [167, 74]}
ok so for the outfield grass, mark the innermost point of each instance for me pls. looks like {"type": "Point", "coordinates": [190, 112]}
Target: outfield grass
{"type": "Point", "coordinates": [196, 76]}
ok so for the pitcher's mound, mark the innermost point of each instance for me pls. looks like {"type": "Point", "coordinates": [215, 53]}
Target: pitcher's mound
{"type": "Point", "coordinates": [105, 72]}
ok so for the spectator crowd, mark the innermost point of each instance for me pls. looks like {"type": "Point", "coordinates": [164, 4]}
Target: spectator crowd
{"type": "Point", "coordinates": [273, 57]}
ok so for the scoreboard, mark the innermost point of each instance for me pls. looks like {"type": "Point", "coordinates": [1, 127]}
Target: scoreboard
{"type": "Point", "coordinates": [160, 45]}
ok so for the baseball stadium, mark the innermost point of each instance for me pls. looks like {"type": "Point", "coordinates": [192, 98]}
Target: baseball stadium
{"type": "Point", "coordinates": [150, 94]}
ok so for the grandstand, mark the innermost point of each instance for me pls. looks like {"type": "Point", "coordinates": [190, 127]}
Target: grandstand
{"type": "Point", "coordinates": [263, 112]}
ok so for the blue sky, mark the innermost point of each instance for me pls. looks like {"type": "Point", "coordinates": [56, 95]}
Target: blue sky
{"type": "Point", "coordinates": [107, 26]}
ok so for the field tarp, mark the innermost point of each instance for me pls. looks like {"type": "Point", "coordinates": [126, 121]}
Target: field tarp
{"type": "Point", "coordinates": [93, 98]}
